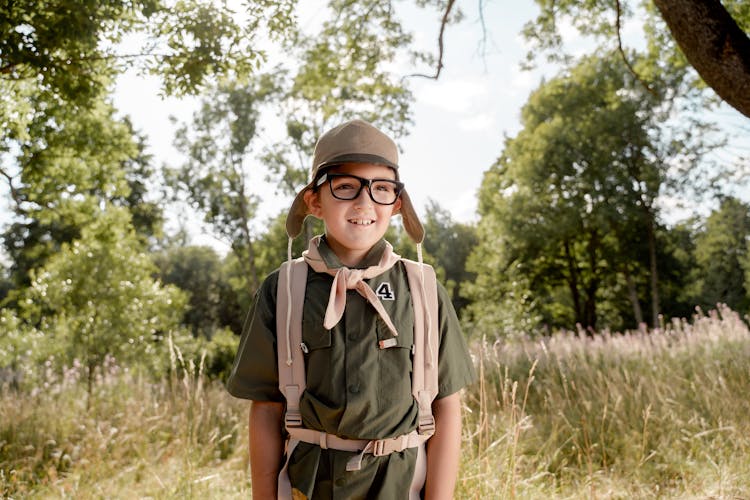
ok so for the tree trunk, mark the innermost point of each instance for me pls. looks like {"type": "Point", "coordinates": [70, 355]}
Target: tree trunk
{"type": "Point", "coordinates": [573, 284]}
{"type": "Point", "coordinates": [248, 243]}
{"type": "Point", "coordinates": [714, 45]}
{"type": "Point", "coordinates": [633, 295]}
{"type": "Point", "coordinates": [653, 268]}
{"type": "Point", "coordinates": [593, 282]}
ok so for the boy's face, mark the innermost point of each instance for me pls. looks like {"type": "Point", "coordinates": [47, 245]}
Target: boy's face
{"type": "Point", "coordinates": [353, 226]}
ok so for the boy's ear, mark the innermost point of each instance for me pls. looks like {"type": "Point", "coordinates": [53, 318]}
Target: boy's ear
{"type": "Point", "coordinates": [397, 207]}
{"type": "Point", "coordinates": [312, 200]}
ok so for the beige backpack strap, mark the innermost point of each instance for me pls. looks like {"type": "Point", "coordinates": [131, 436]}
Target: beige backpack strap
{"type": "Point", "coordinates": [423, 287]}
{"type": "Point", "coordinates": [290, 296]}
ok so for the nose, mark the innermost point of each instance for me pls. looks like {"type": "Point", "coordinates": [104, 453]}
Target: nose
{"type": "Point", "coordinates": [363, 198]}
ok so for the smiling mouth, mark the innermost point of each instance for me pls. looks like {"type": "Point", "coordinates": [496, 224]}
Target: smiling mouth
{"type": "Point", "coordinates": [361, 222]}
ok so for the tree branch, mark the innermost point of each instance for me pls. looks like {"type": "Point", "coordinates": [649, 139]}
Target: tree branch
{"type": "Point", "coordinates": [443, 24]}
{"type": "Point", "coordinates": [13, 191]}
{"type": "Point", "coordinates": [714, 45]}
{"type": "Point", "coordinates": [622, 51]}
{"type": "Point", "coordinates": [483, 42]}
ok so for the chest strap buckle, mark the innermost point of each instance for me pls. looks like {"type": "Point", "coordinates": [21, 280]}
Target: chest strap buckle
{"type": "Point", "coordinates": [292, 418]}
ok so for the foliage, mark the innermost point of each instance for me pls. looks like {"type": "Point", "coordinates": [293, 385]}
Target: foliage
{"type": "Point", "coordinates": [220, 352]}
{"type": "Point", "coordinates": [63, 150]}
{"type": "Point", "coordinates": [71, 48]}
{"type": "Point", "coordinates": [337, 73]}
{"type": "Point", "coordinates": [197, 271]}
{"type": "Point", "coordinates": [96, 298]}
{"type": "Point", "coordinates": [22, 349]}
{"type": "Point", "coordinates": [342, 73]}
{"type": "Point", "coordinates": [69, 161]}
{"type": "Point", "coordinates": [450, 243]}
{"type": "Point", "coordinates": [569, 212]}
{"type": "Point", "coordinates": [562, 190]}
{"type": "Point", "coordinates": [721, 256]}
{"type": "Point", "coordinates": [605, 21]}
{"type": "Point", "coordinates": [216, 176]}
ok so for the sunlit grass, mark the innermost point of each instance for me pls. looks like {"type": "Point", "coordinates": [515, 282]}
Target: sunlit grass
{"type": "Point", "coordinates": [178, 438]}
{"type": "Point", "coordinates": [641, 415]}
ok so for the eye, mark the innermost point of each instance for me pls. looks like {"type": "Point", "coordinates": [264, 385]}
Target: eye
{"type": "Point", "coordinates": [343, 186]}
{"type": "Point", "coordinates": [384, 187]}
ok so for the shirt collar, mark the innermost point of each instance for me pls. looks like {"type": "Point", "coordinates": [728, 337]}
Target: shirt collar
{"type": "Point", "coordinates": [372, 258]}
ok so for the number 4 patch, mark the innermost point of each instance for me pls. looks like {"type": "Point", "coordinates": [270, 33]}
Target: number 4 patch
{"type": "Point", "coordinates": [385, 292]}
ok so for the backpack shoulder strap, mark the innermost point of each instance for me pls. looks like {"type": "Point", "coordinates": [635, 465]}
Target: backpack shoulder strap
{"type": "Point", "coordinates": [290, 296]}
{"type": "Point", "coordinates": [423, 287]}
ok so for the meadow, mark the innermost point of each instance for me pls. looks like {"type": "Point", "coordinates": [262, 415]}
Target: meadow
{"type": "Point", "coordinates": [659, 413]}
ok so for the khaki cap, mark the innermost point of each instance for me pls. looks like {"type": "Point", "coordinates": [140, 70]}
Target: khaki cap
{"type": "Point", "coordinates": [355, 141]}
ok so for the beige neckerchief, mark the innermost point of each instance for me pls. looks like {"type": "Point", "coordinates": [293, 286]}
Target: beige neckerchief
{"type": "Point", "coordinates": [350, 279]}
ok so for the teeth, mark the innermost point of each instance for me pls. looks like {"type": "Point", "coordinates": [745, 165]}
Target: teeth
{"type": "Point", "coordinates": [361, 222]}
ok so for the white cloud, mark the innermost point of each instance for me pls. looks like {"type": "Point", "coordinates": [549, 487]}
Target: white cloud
{"type": "Point", "coordinates": [523, 81]}
{"type": "Point", "coordinates": [455, 96]}
{"type": "Point", "coordinates": [482, 121]}
{"type": "Point", "coordinates": [463, 208]}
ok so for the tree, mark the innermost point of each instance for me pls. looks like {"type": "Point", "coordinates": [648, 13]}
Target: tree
{"type": "Point", "coordinates": [197, 271]}
{"type": "Point", "coordinates": [343, 72]}
{"type": "Point", "coordinates": [70, 161]}
{"type": "Point", "coordinates": [58, 61]}
{"type": "Point", "coordinates": [561, 207]}
{"type": "Point", "coordinates": [450, 243]}
{"type": "Point", "coordinates": [336, 74]}
{"type": "Point", "coordinates": [714, 44]}
{"type": "Point", "coordinates": [721, 255]}
{"type": "Point", "coordinates": [97, 297]}
{"type": "Point", "coordinates": [216, 177]}
{"type": "Point", "coordinates": [71, 47]}
{"type": "Point", "coordinates": [712, 35]}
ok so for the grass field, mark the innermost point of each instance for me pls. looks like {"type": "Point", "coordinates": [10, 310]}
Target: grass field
{"type": "Point", "coordinates": [652, 414]}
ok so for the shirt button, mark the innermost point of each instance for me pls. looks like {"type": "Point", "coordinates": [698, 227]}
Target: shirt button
{"type": "Point", "coordinates": [340, 481]}
{"type": "Point", "coordinates": [354, 389]}
{"type": "Point", "coordinates": [352, 336]}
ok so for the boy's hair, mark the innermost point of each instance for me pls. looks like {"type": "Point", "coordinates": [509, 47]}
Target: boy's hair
{"type": "Point", "coordinates": [355, 141]}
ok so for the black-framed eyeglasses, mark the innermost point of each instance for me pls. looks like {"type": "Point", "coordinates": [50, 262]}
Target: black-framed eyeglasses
{"type": "Point", "coordinates": [348, 187]}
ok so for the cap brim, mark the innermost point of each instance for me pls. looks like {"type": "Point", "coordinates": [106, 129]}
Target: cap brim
{"type": "Point", "coordinates": [357, 158]}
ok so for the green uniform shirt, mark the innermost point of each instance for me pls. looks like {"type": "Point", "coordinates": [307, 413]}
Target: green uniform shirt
{"type": "Point", "coordinates": [354, 389]}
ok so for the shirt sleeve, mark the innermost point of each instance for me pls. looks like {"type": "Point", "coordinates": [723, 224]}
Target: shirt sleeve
{"type": "Point", "coordinates": [455, 366]}
{"type": "Point", "coordinates": [254, 373]}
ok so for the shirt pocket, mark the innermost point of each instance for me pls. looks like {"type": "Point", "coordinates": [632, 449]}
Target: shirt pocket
{"type": "Point", "coordinates": [395, 362]}
{"type": "Point", "coordinates": [316, 346]}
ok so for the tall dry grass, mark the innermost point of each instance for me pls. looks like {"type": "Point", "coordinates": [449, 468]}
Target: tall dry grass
{"type": "Point", "coordinates": [178, 438]}
{"type": "Point", "coordinates": [657, 414]}
{"type": "Point", "coordinates": [651, 414]}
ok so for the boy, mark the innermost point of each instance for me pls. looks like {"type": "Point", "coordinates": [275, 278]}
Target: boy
{"type": "Point", "coordinates": [358, 331]}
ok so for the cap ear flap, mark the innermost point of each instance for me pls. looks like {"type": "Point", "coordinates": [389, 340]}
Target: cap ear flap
{"type": "Point", "coordinates": [409, 218]}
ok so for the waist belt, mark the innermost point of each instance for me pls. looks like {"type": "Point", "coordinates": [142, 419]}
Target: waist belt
{"type": "Point", "coordinates": [375, 447]}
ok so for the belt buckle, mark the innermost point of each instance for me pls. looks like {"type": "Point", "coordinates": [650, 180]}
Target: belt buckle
{"type": "Point", "coordinates": [378, 448]}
